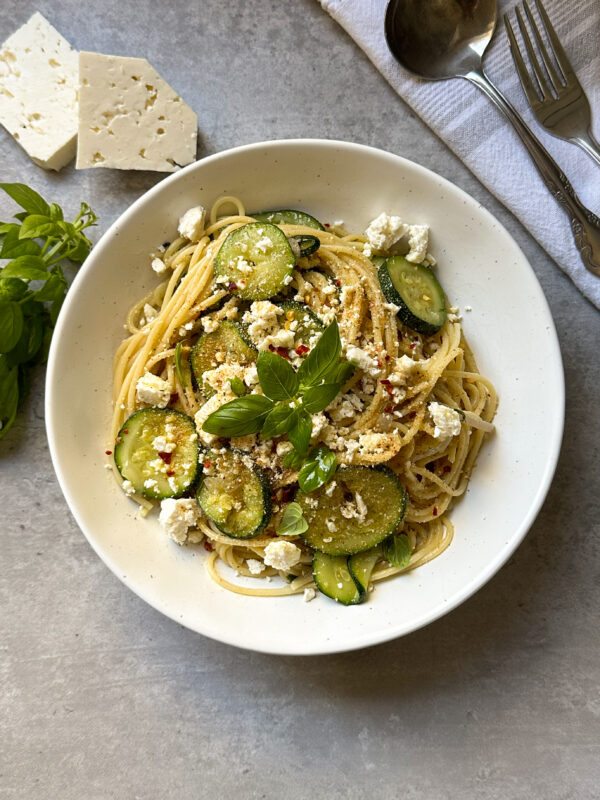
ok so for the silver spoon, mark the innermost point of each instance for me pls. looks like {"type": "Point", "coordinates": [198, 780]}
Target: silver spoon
{"type": "Point", "coordinates": [441, 39]}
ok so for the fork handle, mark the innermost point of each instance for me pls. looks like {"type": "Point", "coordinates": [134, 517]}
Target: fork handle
{"type": "Point", "coordinates": [585, 225]}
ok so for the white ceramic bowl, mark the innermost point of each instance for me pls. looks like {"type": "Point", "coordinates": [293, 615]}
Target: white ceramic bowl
{"type": "Point", "coordinates": [509, 328]}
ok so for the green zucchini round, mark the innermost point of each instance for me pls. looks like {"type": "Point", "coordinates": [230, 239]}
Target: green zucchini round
{"type": "Point", "coordinates": [230, 339]}
{"type": "Point", "coordinates": [289, 216]}
{"type": "Point", "coordinates": [417, 293]}
{"type": "Point", "coordinates": [382, 493]}
{"type": "Point", "coordinates": [309, 324]}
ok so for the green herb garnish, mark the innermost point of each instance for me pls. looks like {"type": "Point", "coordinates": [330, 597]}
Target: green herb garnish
{"type": "Point", "coordinates": [238, 386]}
{"type": "Point", "coordinates": [396, 550]}
{"type": "Point", "coordinates": [34, 248]}
{"type": "Point", "coordinates": [289, 398]}
{"type": "Point", "coordinates": [292, 522]}
{"type": "Point", "coordinates": [318, 469]}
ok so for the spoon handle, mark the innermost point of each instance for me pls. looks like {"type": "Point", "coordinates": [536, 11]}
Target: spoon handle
{"type": "Point", "coordinates": [584, 223]}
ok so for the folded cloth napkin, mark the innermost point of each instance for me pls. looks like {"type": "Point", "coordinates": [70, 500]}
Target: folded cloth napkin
{"type": "Point", "coordinates": [483, 139]}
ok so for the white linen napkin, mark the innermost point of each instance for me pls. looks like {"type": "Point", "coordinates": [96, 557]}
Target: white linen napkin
{"type": "Point", "coordinates": [483, 139]}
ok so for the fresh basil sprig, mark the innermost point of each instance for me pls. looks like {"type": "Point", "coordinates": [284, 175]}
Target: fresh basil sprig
{"type": "Point", "coordinates": [396, 550]}
{"type": "Point", "coordinates": [34, 248]}
{"type": "Point", "coordinates": [292, 521]}
{"type": "Point", "coordinates": [318, 469]}
{"type": "Point", "coordinates": [289, 398]}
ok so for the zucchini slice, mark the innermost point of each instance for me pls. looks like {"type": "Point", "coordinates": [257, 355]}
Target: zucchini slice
{"type": "Point", "coordinates": [229, 342]}
{"type": "Point", "coordinates": [157, 451]}
{"type": "Point", "coordinates": [255, 261]}
{"type": "Point", "coordinates": [333, 578]}
{"type": "Point", "coordinates": [307, 245]}
{"type": "Point", "coordinates": [361, 566]}
{"type": "Point", "coordinates": [417, 292]}
{"type": "Point", "coordinates": [234, 495]}
{"type": "Point", "coordinates": [309, 324]}
{"type": "Point", "coordinates": [366, 505]}
{"type": "Point", "coordinates": [289, 216]}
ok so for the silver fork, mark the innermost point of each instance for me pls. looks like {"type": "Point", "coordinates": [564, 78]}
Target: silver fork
{"type": "Point", "coordinates": [556, 97]}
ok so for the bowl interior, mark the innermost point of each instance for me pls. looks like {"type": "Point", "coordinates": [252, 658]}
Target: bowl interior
{"type": "Point", "coordinates": [509, 328]}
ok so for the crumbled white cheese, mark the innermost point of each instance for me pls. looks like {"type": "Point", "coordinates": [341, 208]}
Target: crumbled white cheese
{"type": "Point", "coordinates": [330, 488]}
{"type": "Point", "coordinates": [383, 232]}
{"type": "Point", "coordinates": [150, 483]}
{"type": "Point", "coordinates": [127, 487]}
{"type": "Point", "coordinates": [331, 526]}
{"type": "Point", "coordinates": [164, 444]}
{"type": "Point", "coordinates": [282, 555]}
{"type": "Point", "coordinates": [153, 391]}
{"type": "Point", "coordinates": [177, 517]}
{"type": "Point", "coordinates": [158, 265]}
{"type": "Point", "coordinates": [130, 118]}
{"type": "Point", "coordinates": [191, 224]}
{"type": "Point", "coordinates": [418, 240]}
{"type": "Point", "coordinates": [283, 448]}
{"type": "Point", "coordinates": [210, 324]}
{"type": "Point", "coordinates": [255, 566]}
{"type": "Point", "coordinates": [309, 594]}
{"type": "Point", "coordinates": [150, 313]}
{"type": "Point", "coordinates": [319, 421]}
{"type": "Point", "coordinates": [264, 244]}
{"type": "Point", "coordinates": [362, 360]}
{"type": "Point", "coordinates": [447, 421]}
{"type": "Point", "coordinates": [403, 368]}
{"type": "Point", "coordinates": [38, 92]}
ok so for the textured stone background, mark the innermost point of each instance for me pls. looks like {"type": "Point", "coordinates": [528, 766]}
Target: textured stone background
{"type": "Point", "coordinates": [104, 698]}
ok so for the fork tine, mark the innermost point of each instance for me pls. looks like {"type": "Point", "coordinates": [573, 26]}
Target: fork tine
{"type": "Point", "coordinates": [559, 54]}
{"type": "Point", "coordinates": [535, 64]}
{"type": "Point", "coordinates": [531, 92]}
{"type": "Point", "coordinates": [556, 81]}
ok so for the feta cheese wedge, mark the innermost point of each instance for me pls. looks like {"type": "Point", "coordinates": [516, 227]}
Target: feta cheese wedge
{"type": "Point", "coordinates": [130, 118]}
{"type": "Point", "coordinates": [38, 92]}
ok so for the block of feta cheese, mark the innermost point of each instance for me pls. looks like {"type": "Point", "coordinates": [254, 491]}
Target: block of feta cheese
{"type": "Point", "coordinates": [38, 92]}
{"type": "Point", "coordinates": [130, 118]}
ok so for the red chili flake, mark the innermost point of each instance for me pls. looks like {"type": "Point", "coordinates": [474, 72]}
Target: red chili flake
{"type": "Point", "coordinates": [207, 464]}
{"type": "Point", "coordinates": [231, 286]}
{"type": "Point", "coordinates": [170, 473]}
{"type": "Point", "coordinates": [208, 546]}
{"type": "Point", "coordinates": [174, 397]}
{"type": "Point", "coordinates": [287, 493]}
{"type": "Point", "coordinates": [412, 415]}
{"type": "Point", "coordinates": [379, 363]}
{"type": "Point", "coordinates": [302, 349]}
{"type": "Point", "coordinates": [108, 452]}
{"type": "Point", "coordinates": [388, 409]}
{"type": "Point", "coordinates": [327, 225]}
{"type": "Point", "coordinates": [447, 468]}
{"type": "Point", "coordinates": [166, 457]}
{"type": "Point", "coordinates": [338, 283]}
{"type": "Point", "coordinates": [387, 356]}
{"type": "Point", "coordinates": [327, 303]}
{"type": "Point", "coordinates": [272, 348]}
{"type": "Point", "coordinates": [413, 345]}
{"type": "Point", "coordinates": [399, 336]}
{"type": "Point", "coordinates": [385, 381]}
{"type": "Point", "coordinates": [281, 351]}
{"type": "Point", "coordinates": [435, 511]}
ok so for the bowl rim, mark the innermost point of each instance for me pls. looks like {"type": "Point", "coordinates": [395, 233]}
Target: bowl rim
{"type": "Point", "coordinates": [555, 432]}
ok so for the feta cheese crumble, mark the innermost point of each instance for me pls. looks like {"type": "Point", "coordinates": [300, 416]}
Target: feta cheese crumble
{"type": "Point", "coordinates": [447, 421]}
{"type": "Point", "coordinates": [282, 555]}
{"type": "Point", "coordinates": [159, 266]}
{"type": "Point", "coordinates": [177, 517]}
{"type": "Point", "coordinates": [383, 232]}
{"type": "Point", "coordinates": [191, 224]}
{"type": "Point", "coordinates": [362, 360]}
{"type": "Point", "coordinates": [255, 567]}
{"type": "Point", "coordinates": [418, 241]}
{"type": "Point", "coordinates": [309, 594]}
{"type": "Point", "coordinates": [153, 391]}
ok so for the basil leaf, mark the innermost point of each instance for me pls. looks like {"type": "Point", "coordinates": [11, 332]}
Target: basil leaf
{"type": "Point", "coordinates": [12, 288]}
{"type": "Point", "coordinates": [276, 376]}
{"type": "Point", "coordinates": [29, 268]}
{"type": "Point", "coordinates": [396, 550]}
{"type": "Point", "coordinates": [55, 212]}
{"type": "Point", "coordinates": [54, 288]}
{"type": "Point", "coordinates": [11, 325]}
{"type": "Point", "coordinates": [292, 522]}
{"type": "Point", "coordinates": [9, 397]}
{"type": "Point", "coordinates": [300, 431]}
{"type": "Point", "coordinates": [239, 417]}
{"type": "Point", "coordinates": [318, 469]}
{"type": "Point", "coordinates": [279, 421]}
{"type": "Point", "coordinates": [344, 372]}
{"type": "Point", "coordinates": [29, 342]}
{"type": "Point", "coordinates": [322, 359]}
{"type": "Point", "coordinates": [27, 198]}
{"type": "Point", "coordinates": [317, 398]}
{"type": "Point", "coordinates": [293, 459]}
{"type": "Point", "coordinates": [36, 225]}
{"type": "Point", "coordinates": [237, 386]}
{"type": "Point", "coordinates": [12, 246]}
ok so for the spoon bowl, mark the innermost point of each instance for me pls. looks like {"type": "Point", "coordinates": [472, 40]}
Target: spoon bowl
{"type": "Point", "coordinates": [440, 39]}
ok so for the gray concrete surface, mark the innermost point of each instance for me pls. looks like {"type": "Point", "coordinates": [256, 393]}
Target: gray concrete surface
{"type": "Point", "coordinates": [102, 697]}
